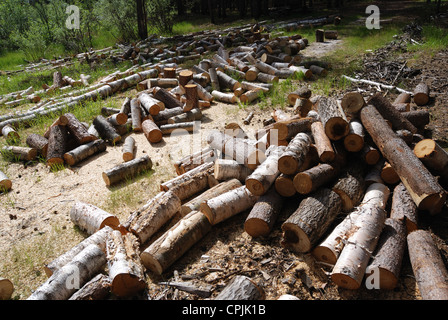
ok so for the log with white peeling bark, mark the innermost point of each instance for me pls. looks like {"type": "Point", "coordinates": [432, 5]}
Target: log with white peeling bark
{"type": "Point", "coordinates": [175, 242]}
{"type": "Point", "coordinates": [128, 150]}
{"type": "Point", "coordinates": [388, 255]}
{"type": "Point", "coordinates": [322, 143]}
{"type": "Point", "coordinates": [150, 104]}
{"type": "Point", "coordinates": [351, 265]}
{"type": "Point", "coordinates": [421, 94]}
{"type": "Point", "coordinates": [225, 169]}
{"type": "Point", "coordinates": [193, 162]}
{"type": "Point", "coordinates": [98, 288]}
{"type": "Point", "coordinates": [354, 140]}
{"type": "Point", "coordinates": [206, 167]}
{"type": "Point", "coordinates": [19, 153]}
{"type": "Point", "coordinates": [5, 182]}
{"type": "Point", "coordinates": [98, 238]}
{"type": "Point", "coordinates": [333, 118]}
{"type": "Point", "coordinates": [90, 218]}
{"type": "Point", "coordinates": [404, 208]}
{"type": "Point", "coordinates": [106, 130]}
{"type": "Point", "coordinates": [125, 170]}
{"type": "Point", "coordinates": [11, 135]}
{"type": "Point", "coordinates": [295, 153]}
{"type": "Point", "coordinates": [228, 204]}
{"type": "Point", "coordinates": [57, 144]}
{"type": "Point", "coordinates": [264, 213]}
{"type": "Point", "coordinates": [427, 265]}
{"type": "Point", "coordinates": [190, 157]}
{"type": "Point", "coordinates": [310, 221]}
{"type": "Point", "coordinates": [421, 184]}
{"type": "Point", "coordinates": [224, 97]}
{"type": "Point", "coordinates": [241, 288]}
{"type": "Point", "coordinates": [6, 289]}
{"type": "Point", "coordinates": [331, 247]}
{"type": "Point", "coordinates": [241, 150]}
{"type": "Point", "coordinates": [64, 282]}
{"type": "Point", "coordinates": [84, 151]}
{"type": "Point", "coordinates": [126, 271]}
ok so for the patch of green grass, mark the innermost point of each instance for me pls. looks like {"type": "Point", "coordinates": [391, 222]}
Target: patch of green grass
{"type": "Point", "coordinates": [434, 39]}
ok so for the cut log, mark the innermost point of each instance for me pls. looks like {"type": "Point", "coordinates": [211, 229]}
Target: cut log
{"type": "Point", "coordinates": [38, 142]}
{"type": "Point", "coordinates": [6, 289]}
{"type": "Point", "coordinates": [317, 70]}
{"type": "Point", "coordinates": [196, 184]}
{"type": "Point", "coordinates": [320, 35]}
{"type": "Point", "coordinates": [421, 184]}
{"type": "Point", "coordinates": [125, 268]}
{"type": "Point", "coordinates": [250, 96]}
{"type": "Point", "coordinates": [90, 218]}
{"type": "Point", "coordinates": [151, 131]}
{"type": "Point", "coordinates": [10, 134]}
{"type": "Point", "coordinates": [63, 282]}
{"type": "Point", "coordinates": [263, 177]}
{"type": "Point", "coordinates": [404, 208]}
{"type": "Point", "coordinates": [84, 151]}
{"type": "Point", "coordinates": [388, 255]}
{"type": "Point", "coordinates": [402, 107]}
{"type": "Point", "coordinates": [352, 102]}
{"type": "Point", "coordinates": [403, 97]}
{"type": "Point", "coordinates": [178, 128]}
{"type": "Point", "coordinates": [189, 116]}
{"type": "Point", "coordinates": [136, 115]}
{"type": "Point", "coordinates": [228, 204]}
{"type": "Point", "coordinates": [127, 170]}
{"type": "Point", "coordinates": [148, 220]}
{"type": "Point", "coordinates": [191, 93]}
{"type": "Point", "coordinates": [370, 154]}
{"type": "Point", "coordinates": [310, 180]}
{"type": "Point", "coordinates": [96, 289]}
{"type": "Point", "coordinates": [57, 144]}
{"type": "Point", "coordinates": [310, 221]}
{"type": "Point", "coordinates": [248, 118]}
{"type": "Point", "coordinates": [374, 174]}
{"type": "Point", "coordinates": [197, 157]}
{"type": "Point", "coordinates": [264, 213]}
{"type": "Point", "coordinates": [429, 270]}
{"type": "Point", "coordinates": [302, 107]}
{"type": "Point", "coordinates": [233, 129]}
{"type": "Point", "coordinates": [295, 153]}
{"type": "Point", "coordinates": [419, 118]}
{"type": "Point", "coordinates": [184, 77]}
{"type": "Point", "coordinates": [244, 152]}
{"type": "Point", "coordinates": [390, 113]}
{"type": "Point", "coordinates": [241, 288]}
{"type": "Point", "coordinates": [333, 118]}
{"type": "Point", "coordinates": [389, 175]}
{"type": "Point", "coordinates": [266, 78]}
{"type": "Point", "coordinates": [175, 242]}
{"type": "Point", "coordinates": [290, 128]}
{"type": "Point", "coordinates": [322, 143]}
{"type": "Point", "coordinates": [421, 94]}
{"type": "Point", "coordinates": [5, 182]}
{"type": "Point", "coordinates": [225, 169]}
{"type": "Point", "coordinates": [128, 150]}
{"type": "Point", "coordinates": [214, 79]}
{"type": "Point", "coordinates": [78, 130]}
{"type": "Point", "coordinates": [434, 157]}
{"type": "Point", "coordinates": [165, 186]}
{"type": "Point", "coordinates": [106, 130]}
{"type": "Point", "coordinates": [252, 74]}
{"type": "Point", "coordinates": [225, 81]}
{"type": "Point", "coordinates": [118, 119]}
{"type": "Point", "coordinates": [224, 97]}
{"type": "Point", "coordinates": [98, 238]}
{"type": "Point", "coordinates": [167, 98]}
{"type": "Point", "coordinates": [150, 104]}
{"type": "Point", "coordinates": [284, 185]}
{"type": "Point", "coordinates": [331, 34]}
{"type": "Point", "coordinates": [354, 140]}
{"type": "Point", "coordinates": [350, 186]}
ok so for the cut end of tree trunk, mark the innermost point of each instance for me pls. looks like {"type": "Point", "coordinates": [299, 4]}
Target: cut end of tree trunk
{"type": "Point", "coordinates": [345, 281]}
{"type": "Point", "coordinates": [325, 254]}
{"type": "Point", "coordinates": [294, 238]}
{"type": "Point", "coordinates": [256, 227]}
{"type": "Point", "coordinates": [126, 284]}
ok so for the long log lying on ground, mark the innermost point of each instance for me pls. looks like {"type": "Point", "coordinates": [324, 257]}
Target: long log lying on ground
{"type": "Point", "coordinates": [84, 151]}
{"type": "Point", "coordinates": [98, 288]}
{"type": "Point", "coordinates": [429, 270]}
{"type": "Point", "coordinates": [333, 118]}
{"type": "Point", "coordinates": [126, 170]}
{"type": "Point", "coordinates": [90, 218]}
{"type": "Point", "coordinates": [62, 284]}
{"type": "Point", "coordinates": [125, 269]}
{"type": "Point", "coordinates": [421, 184]}
{"type": "Point", "coordinates": [310, 221]}
{"type": "Point", "coordinates": [241, 288]}
{"type": "Point", "coordinates": [169, 247]}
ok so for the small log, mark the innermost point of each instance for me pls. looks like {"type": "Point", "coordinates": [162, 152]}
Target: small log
{"type": "Point", "coordinates": [354, 140]}
{"type": "Point", "coordinates": [311, 179]}
{"type": "Point", "coordinates": [167, 98]}
{"type": "Point", "coordinates": [250, 96]}
{"type": "Point", "coordinates": [126, 170]}
{"type": "Point", "coordinates": [224, 97]}
{"type": "Point", "coordinates": [192, 100]}
{"type": "Point", "coordinates": [248, 119]}
{"type": "Point", "coordinates": [225, 81]}
{"type": "Point", "coordinates": [128, 150]}
{"type": "Point", "coordinates": [225, 169]}
{"type": "Point", "coordinates": [310, 221]}
{"type": "Point", "coordinates": [320, 35]}
{"type": "Point", "coordinates": [5, 182]}
{"type": "Point", "coordinates": [421, 94]}
{"type": "Point", "coordinates": [388, 255]}
{"type": "Point", "coordinates": [370, 154]}
{"type": "Point", "coordinates": [228, 204]}
{"type": "Point", "coordinates": [402, 107]}
{"type": "Point", "coordinates": [403, 97]}
{"type": "Point", "coordinates": [38, 142]}
{"type": "Point", "coordinates": [195, 157]}
{"type": "Point", "coordinates": [241, 288]}
{"type": "Point", "coordinates": [90, 218]}
{"type": "Point", "coordinates": [6, 289]}
{"type": "Point", "coordinates": [57, 144]}
{"type": "Point", "coordinates": [290, 128]}
{"type": "Point", "coordinates": [429, 270]}
{"type": "Point", "coordinates": [106, 130]}
{"type": "Point", "coordinates": [194, 162]}
{"type": "Point", "coordinates": [251, 74]}
{"type": "Point", "coordinates": [333, 118]}
{"type": "Point", "coordinates": [136, 115]}
{"type": "Point", "coordinates": [284, 185]}
{"type": "Point", "coordinates": [118, 119]}
{"type": "Point", "coordinates": [208, 167]}
{"type": "Point", "coordinates": [78, 130]}
{"type": "Point", "coordinates": [84, 151]}
{"type": "Point", "coordinates": [433, 156]}
{"type": "Point", "coordinates": [184, 77]}
{"type": "Point", "coordinates": [177, 128]}
{"type": "Point", "coordinates": [390, 113]}
{"type": "Point", "coordinates": [302, 107]}
{"type": "Point", "coordinates": [295, 153]}
{"type": "Point", "coordinates": [244, 152]}
{"type": "Point", "coordinates": [60, 121]}
{"type": "Point", "coordinates": [96, 289]}
{"type": "Point", "coordinates": [317, 70]}
{"type": "Point", "coordinates": [62, 284]}
{"type": "Point", "coordinates": [264, 213]}
{"type": "Point", "coordinates": [331, 34]}
{"type": "Point", "coordinates": [151, 131]}
{"type": "Point", "coordinates": [389, 175]}
{"type": "Point", "coordinates": [10, 134]}
{"type": "Point", "coordinates": [419, 118]}
{"type": "Point", "coordinates": [322, 143]}
{"type": "Point", "coordinates": [350, 187]}
{"type": "Point", "coordinates": [175, 242]}
{"type": "Point", "coordinates": [266, 78]}
{"type": "Point", "coordinates": [214, 79]}
{"type": "Point", "coordinates": [125, 268]}
{"type": "Point", "coordinates": [169, 72]}
{"type": "Point", "coordinates": [150, 104]}
{"type": "Point", "coordinates": [196, 184]}
{"type": "Point", "coordinates": [352, 102]}
{"type": "Point", "coordinates": [404, 208]}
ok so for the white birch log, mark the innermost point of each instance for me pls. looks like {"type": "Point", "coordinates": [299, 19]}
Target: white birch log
{"type": "Point", "coordinates": [91, 218]}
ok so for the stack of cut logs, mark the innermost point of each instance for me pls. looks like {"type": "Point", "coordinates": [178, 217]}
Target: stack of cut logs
{"type": "Point", "coordinates": [348, 160]}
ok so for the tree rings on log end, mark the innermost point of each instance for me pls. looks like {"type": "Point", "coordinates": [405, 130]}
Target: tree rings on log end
{"type": "Point", "coordinates": [151, 263]}
{"type": "Point", "coordinates": [345, 281]}
{"type": "Point", "coordinates": [336, 128]}
{"type": "Point", "coordinates": [125, 284]}
{"type": "Point", "coordinates": [256, 227]}
{"type": "Point", "coordinates": [325, 254]}
{"type": "Point", "coordinates": [294, 238]}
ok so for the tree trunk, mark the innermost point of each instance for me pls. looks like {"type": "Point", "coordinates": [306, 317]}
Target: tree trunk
{"type": "Point", "coordinates": [311, 220]}
{"type": "Point", "coordinates": [241, 288]}
{"type": "Point", "coordinates": [57, 144]}
{"type": "Point", "coordinates": [418, 118]}
{"type": "Point", "coordinates": [404, 208]}
{"type": "Point", "coordinates": [175, 242]}
{"type": "Point", "coordinates": [311, 179]}
{"type": "Point", "coordinates": [264, 213]}
{"type": "Point", "coordinates": [225, 169]}
{"type": "Point", "coordinates": [126, 170]}
{"type": "Point", "coordinates": [106, 130]}
{"type": "Point", "coordinates": [228, 204]}
{"type": "Point", "coordinates": [388, 254]}
{"type": "Point", "coordinates": [421, 94]}
{"type": "Point", "coordinates": [141, 20]}
{"type": "Point", "coordinates": [38, 142]}
{"type": "Point", "coordinates": [151, 131]}
{"type": "Point", "coordinates": [390, 113]}
{"type": "Point", "coordinates": [354, 140]}
{"type": "Point", "coordinates": [128, 150]}
{"type": "Point", "coordinates": [191, 93]}
{"type": "Point", "coordinates": [84, 151]}
{"type": "Point", "coordinates": [423, 187]}
{"type": "Point", "coordinates": [125, 268]}
{"type": "Point", "coordinates": [91, 218]}
{"type": "Point", "coordinates": [66, 280]}
{"type": "Point", "coordinates": [295, 153]}
{"type": "Point", "coordinates": [78, 130]}
{"type": "Point", "coordinates": [322, 143]}
{"type": "Point", "coordinates": [150, 104]}
{"type": "Point", "coordinates": [96, 289]}
{"type": "Point", "coordinates": [98, 238]}
{"type": "Point", "coordinates": [167, 98]}
{"type": "Point", "coordinates": [224, 97]}
{"type": "Point", "coordinates": [333, 118]}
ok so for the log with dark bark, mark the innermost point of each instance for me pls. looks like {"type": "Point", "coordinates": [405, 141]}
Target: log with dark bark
{"type": "Point", "coordinates": [350, 186]}
{"type": "Point", "coordinates": [78, 130]}
{"type": "Point", "coordinates": [311, 179]}
{"type": "Point", "coordinates": [126, 170]}
{"type": "Point", "coordinates": [429, 270]}
{"type": "Point", "coordinates": [167, 98]}
{"type": "Point", "coordinates": [57, 144]}
{"type": "Point", "coordinates": [38, 142]}
{"type": "Point", "coordinates": [151, 131]}
{"type": "Point", "coordinates": [333, 118]}
{"type": "Point", "coordinates": [331, 34]}
{"type": "Point", "coordinates": [370, 154]}
{"type": "Point", "coordinates": [421, 94]}
{"type": "Point", "coordinates": [84, 151]}
{"type": "Point", "coordinates": [169, 247]}
{"type": "Point", "coordinates": [422, 185]}
{"type": "Point", "coordinates": [90, 218]}
{"type": "Point", "coordinates": [98, 288]}
{"type": "Point", "coordinates": [284, 185]}
{"type": "Point", "coordinates": [264, 213]}
{"type": "Point", "coordinates": [310, 221]}
{"type": "Point", "coordinates": [60, 121]}
{"type": "Point", "coordinates": [322, 143]}
{"type": "Point", "coordinates": [404, 208]}
{"type": "Point", "coordinates": [106, 130]}
{"type": "Point", "coordinates": [303, 92]}
{"type": "Point", "coordinates": [418, 118]}
{"type": "Point", "coordinates": [241, 288]}
{"type": "Point", "coordinates": [320, 35]}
